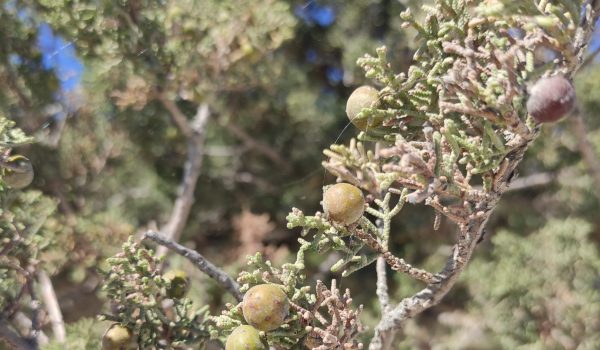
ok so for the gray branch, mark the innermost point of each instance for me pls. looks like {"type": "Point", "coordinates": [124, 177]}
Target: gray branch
{"type": "Point", "coordinates": [185, 199]}
{"type": "Point", "coordinates": [382, 285]}
{"type": "Point", "coordinates": [472, 227]}
{"type": "Point", "coordinates": [381, 270]}
{"type": "Point", "coordinates": [533, 180]}
{"type": "Point", "coordinates": [52, 306]}
{"type": "Point", "coordinates": [176, 115]}
{"type": "Point", "coordinates": [200, 262]}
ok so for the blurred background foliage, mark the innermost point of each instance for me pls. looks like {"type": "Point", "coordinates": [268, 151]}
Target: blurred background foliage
{"type": "Point", "coordinates": [86, 78]}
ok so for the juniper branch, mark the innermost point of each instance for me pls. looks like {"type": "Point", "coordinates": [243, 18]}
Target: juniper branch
{"type": "Point", "coordinates": [486, 155]}
{"type": "Point", "coordinates": [381, 269]}
{"type": "Point", "coordinates": [176, 114]}
{"type": "Point", "coordinates": [195, 152]}
{"type": "Point", "coordinates": [431, 295]}
{"type": "Point", "coordinates": [395, 263]}
{"type": "Point", "coordinates": [199, 261]}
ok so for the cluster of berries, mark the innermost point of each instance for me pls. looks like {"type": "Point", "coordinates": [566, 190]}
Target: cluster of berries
{"type": "Point", "coordinates": [549, 100]}
{"type": "Point", "coordinates": [265, 308]}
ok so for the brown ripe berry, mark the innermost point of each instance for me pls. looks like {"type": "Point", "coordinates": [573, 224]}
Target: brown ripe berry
{"type": "Point", "coordinates": [550, 99]}
{"type": "Point", "coordinates": [265, 306]}
{"type": "Point", "coordinates": [344, 203]}
{"type": "Point", "coordinates": [180, 283]}
{"type": "Point", "coordinates": [118, 337]}
{"type": "Point", "coordinates": [363, 97]}
{"type": "Point", "coordinates": [244, 338]}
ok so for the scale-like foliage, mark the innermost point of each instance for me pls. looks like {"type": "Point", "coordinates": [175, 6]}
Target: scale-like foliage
{"type": "Point", "coordinates": [449, 132]}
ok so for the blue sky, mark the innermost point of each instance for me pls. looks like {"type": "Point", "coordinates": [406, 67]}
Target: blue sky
{"type": "Point", "coordinates": [314, 13]}
{"type": "Point", "coordinates": [61, 57]}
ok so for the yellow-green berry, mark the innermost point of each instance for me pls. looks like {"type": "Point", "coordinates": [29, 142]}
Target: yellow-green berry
{"type": "Point", "coordinates": [344, 203]}
{"type": "Point", "coordinates": [244, 338]}
{"type": "Point", "coordinates": [180, 283]}
{"type": "Point", "coordinates": [265, 306]}
{"type": "Point", "coordinates": [363, 97]}
{"type": "Point", "coordinates": [118, 337]}
{"type": "Point", "coordinates": [18, 172]}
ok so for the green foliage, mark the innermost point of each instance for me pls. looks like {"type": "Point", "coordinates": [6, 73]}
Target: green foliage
{"type": "Point", "coordinates": [441, 132]}
{"type": "Point", "coordinates": [24, 240]}
{"type": "Point", "coordinates": [427, 93]}
{"type": "Point", "coordinates": [10, 136]}
{"type": "Point", "coordinates": [83, 334]}
{"type": "Point", "coordinates": [330, 236]}
{"type": "Point", "coordinates": [228, 54]}
{"type": "Point", "coordinates": [535, 291]}
{"type": "Point", "coordinates": [138, 294]}
{"type": "Point", "coordinates": [27, 86]}
{"type": "Point", "coordinates": [291, 278]}
{"type": "Point", "coordinates": [193, 44]}
{"type": "Point", "coordinates": [553, 300]}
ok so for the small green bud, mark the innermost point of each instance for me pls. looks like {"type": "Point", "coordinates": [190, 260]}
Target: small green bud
{"type": "Point", "coordinates": [18, 172]}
